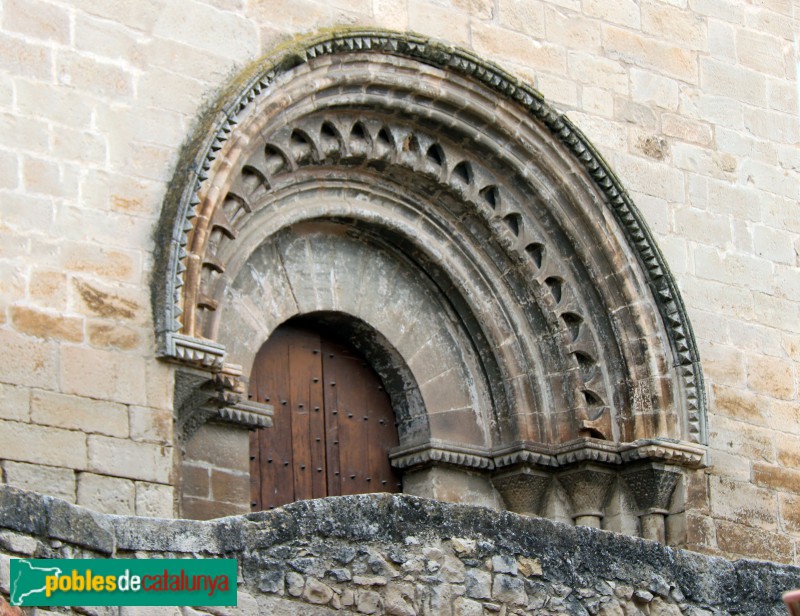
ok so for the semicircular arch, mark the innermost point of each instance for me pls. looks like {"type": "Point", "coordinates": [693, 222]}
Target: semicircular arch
{"type": "Point", "coordinates": [553, 310]}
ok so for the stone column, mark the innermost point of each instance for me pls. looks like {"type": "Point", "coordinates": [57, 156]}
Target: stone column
{"type": "Point", "coordinates": [587, 487]}
{"type": "Point", "coordinates": [652, 486]}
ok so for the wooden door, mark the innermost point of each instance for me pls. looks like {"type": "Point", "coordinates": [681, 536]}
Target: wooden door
{"type": "Point", "coordinates": [333, 424]}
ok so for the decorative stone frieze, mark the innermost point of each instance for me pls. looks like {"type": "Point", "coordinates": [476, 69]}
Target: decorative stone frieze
{"type": "Point", "coordinates": [405, 458]}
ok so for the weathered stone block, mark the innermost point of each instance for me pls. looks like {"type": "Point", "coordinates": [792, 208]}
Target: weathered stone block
{"type": "Point", "coordinates": [742, 439]}
{"type": "Point", "coordinates": [151, 425]}
{"type": "Point", "coordinates": [104, 262]}
{"type": "Point", "coordinates": [202, 509]}
{"type": "Point", "coordinates": [753, 543]}
{"type": "Point", "coordinates": [20, 57]}
{"type": "Point", "coordinates": [58, 482]}
{"type": "Point", "coordinates": [674, 23]}
{"type": "Point", "coordinates": [113, 336]}
{"type": "Point", "coordinates": [649, 53]}
{"type": "Point", "coordinates": [224, 33]}
{"type": "Point", "coordinates": [154, 500]}
{"type": "Point", "coordinates": [743, 503]}
{"type": "Point", "coordinates": [76, 413]}
{"type": "Point", "coordinates": [467, 607]}
{"type": "Point", "coordinates": [43, 445]}
{"type": "Point", "coordinates": [106, 494]}
{"type": "Point", "coordinates": [317, 592]}
{"type": "Point", "coordinates": [14, 403]}
{"type": "Point", "coordinates": [38, 20]}
{"type": "Point", "coordinates": [509, 589]}
{"type": "Point", "coordinates": [88, 73]}
{"type": "Point", "coordinates": [771, 376]}
{"type": "Point", "coordinates": [230, 487]}
{"type": "Point", "coordinates": [48, 288]}
{"type": "Point", "coordinates": [368, 602]}
{"type": "Point", "coordinates": [478, 584]}
{"type": "Point", "coordinates": [511, 46]}
{"type": "Point", "coordinates": [222, 446]}
{"type": "Point", "coordinates": [439, 22]}
{"type": "Point", "coordinates": [103, 374]}
{"type": "Point", "coordinates": [124, 458]}
{"type": "Point", "coordinates": [28, 361]}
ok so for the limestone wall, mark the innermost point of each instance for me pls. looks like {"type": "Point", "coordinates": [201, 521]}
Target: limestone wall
{"type": "Point", "coordinates": [401, 555]}
{"type": "Point", "coordinates": [694, 104]}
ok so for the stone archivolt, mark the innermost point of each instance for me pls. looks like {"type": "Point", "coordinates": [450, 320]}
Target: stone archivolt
{"type": "Point", "coordinates": [483, 256]}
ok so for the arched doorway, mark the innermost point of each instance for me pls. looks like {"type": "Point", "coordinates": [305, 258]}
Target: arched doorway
{"type": "Point", "coordinates": [428, 194]}
{"type": "Point", "coordinates": [333, 425]}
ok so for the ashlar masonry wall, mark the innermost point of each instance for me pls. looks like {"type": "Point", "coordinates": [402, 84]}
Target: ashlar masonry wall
{"type": "Point", "coordinates": [402, 555]}
{"type": "Point", "coordinates": [694, 104]}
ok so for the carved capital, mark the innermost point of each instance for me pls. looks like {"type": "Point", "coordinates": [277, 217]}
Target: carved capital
{"type": "Point", "coordinates": [652, 486]}
{"type": "Point", "coordinates": [522, 488]}
{"type": "Point", "coordinates": [587, 487]}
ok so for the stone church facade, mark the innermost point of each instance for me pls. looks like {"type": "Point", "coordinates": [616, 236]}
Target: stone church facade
{"type": "Point", "coordinates": [563, 236]}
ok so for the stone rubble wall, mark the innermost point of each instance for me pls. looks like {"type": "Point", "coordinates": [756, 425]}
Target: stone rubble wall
{"type": "Point", "coordinates": [402, 555]}
{"type": "Point", "coordinates": [693, 103]}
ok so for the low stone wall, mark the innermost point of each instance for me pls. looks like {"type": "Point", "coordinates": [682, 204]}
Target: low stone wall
{"type": "Point", "coordinates": [402, 555]}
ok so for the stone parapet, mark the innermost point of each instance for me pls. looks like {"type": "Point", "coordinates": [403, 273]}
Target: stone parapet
{"type": "Point", "coordinates": [397, 554]}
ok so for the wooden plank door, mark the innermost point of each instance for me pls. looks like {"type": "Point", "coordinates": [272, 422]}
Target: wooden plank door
{"type": "Point", "coordinates": [360, 425]}
{"type": "Point", "coordinates": [333, 424]}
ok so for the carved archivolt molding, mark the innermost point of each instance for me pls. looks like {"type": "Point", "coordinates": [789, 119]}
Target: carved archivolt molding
{"type": "Point", "coordinates": [581, 348]}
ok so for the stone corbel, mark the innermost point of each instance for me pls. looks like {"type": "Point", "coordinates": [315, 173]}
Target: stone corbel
{"type": "Point", "coordinates": [587, 486]}
{"type": "Point", "coordinates": [652, 485]}
{"type": "Point", "coordinates": [194, 352]}
{"type": "Point", "coordinates": [220, 396]}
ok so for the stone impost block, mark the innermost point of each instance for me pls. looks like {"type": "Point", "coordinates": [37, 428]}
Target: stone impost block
{"type": "Point", "coordinates": [652, 486]}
